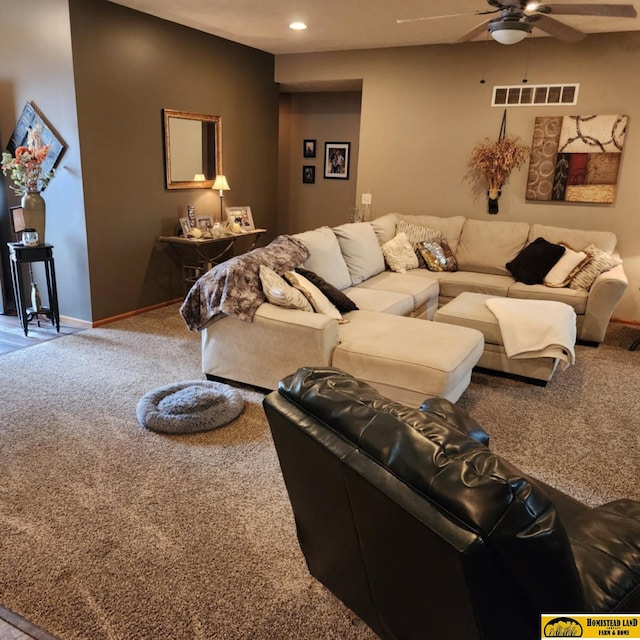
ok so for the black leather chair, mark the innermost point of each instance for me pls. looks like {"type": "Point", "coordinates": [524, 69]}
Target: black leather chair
{"type": "Point", "coordinates": [408, 517]}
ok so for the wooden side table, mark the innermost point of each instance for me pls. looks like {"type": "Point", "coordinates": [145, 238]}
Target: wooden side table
{"type": "Point", "coordinates": [19, 255]}
{"type": "Point", "coordinates": [198, 255]}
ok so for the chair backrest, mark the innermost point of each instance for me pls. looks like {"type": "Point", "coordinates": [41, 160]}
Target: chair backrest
{"type": "Point", "coordinates": [412, 523]}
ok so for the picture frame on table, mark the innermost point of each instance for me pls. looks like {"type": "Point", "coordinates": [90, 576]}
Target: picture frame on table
{"type": "Point", "coordinates": [309, 148]}
{"type": "Point", "coordinates": [204, 221]}
{"type": "Point", "coordinates": [185, 226]}
{"type": "Point", "coordinates": [337, 158]}
{"type": "Point", "coordinates": [308, 174]}
{"type": "Point", "coordinates": [16, 219]}
{"type": "Point", "coordinates": [242, 216]}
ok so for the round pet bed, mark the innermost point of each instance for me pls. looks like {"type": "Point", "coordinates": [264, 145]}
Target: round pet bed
{"type": "Point", "coordinates": [189, 407]}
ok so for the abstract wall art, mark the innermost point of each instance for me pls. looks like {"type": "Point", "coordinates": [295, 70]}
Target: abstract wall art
{"type": "Point", "coordinates": [576, 158]}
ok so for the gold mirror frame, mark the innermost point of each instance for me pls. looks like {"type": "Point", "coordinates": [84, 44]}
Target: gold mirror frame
{"type": "Point", "coordinates": [199, 150]}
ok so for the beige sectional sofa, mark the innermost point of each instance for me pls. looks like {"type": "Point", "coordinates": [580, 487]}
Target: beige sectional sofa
{"type": "Point", "coordinates": [482, 249]}
{"type": "Point", "coordinates": [280, 340]}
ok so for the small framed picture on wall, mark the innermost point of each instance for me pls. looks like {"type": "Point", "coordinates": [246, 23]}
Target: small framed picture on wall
{"type": "Point", "coordinates": [309, 149]}
{"type": "Point", "coordinates": [308, 174]}
{"type": "Point", "coordinates": [336, 160]}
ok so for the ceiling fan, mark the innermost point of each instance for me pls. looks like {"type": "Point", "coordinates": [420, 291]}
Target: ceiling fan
{"type": "Point", "coordinates": [518, 17]}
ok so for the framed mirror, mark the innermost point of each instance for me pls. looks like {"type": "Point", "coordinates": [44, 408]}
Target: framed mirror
{"type": "Point", "coordinates": [192, 148]}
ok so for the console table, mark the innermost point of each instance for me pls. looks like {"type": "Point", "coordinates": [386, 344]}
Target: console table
{"type": "Point", "coordinates": [20, 255]}
{"type": "Point", "coordinates": [198, 255]}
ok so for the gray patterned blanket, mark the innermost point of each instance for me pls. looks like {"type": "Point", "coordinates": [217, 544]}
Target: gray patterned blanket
{"type": "Point", "coordinates": [233, 287]}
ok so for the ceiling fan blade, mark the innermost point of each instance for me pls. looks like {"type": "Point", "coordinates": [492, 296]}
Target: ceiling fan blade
{"type": "Point", "coordinates": [476, 31]}
{"type": "Point", "coordinates": [451, 15]}
{"type": "Point", "coordinates": [556, 28]}
{"type": "Point", "coordinates": [606, 10]}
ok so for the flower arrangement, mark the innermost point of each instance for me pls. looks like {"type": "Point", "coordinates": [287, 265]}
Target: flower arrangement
{"type": "Point", "coordinates": [26, 168]}
{"type": "Point", "coordinates": [492, 162]}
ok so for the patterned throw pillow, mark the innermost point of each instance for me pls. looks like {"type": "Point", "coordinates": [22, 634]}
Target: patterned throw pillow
{"type": "Point", "coordinates": [600, 262]}
{"type": "Point", "coordinates": [566, 268]}
{"type": "Point", "coordinates": [318, 300]}
{"type": "Point", "coordinates": [416, 233]}
{"type": "Point", "coordinates": [438, 256]}
{"type": "Point", "coordinates": [279, 292]}
{"type": "Point", "coordinates": [399, 254]}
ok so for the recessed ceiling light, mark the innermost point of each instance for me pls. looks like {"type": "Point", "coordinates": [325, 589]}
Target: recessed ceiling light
{"type": "Point", "coordinates": [298, 26]}
{"type": "Point", "coordinates": [532, 6]}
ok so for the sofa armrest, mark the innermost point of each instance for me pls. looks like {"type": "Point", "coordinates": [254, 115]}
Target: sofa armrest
{"type": "Point", "coordinates": [604, 295]}
{"type": "Point", "coordinates": [278, 342]}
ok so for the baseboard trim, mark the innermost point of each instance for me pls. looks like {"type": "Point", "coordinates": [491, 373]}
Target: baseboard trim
{"type": "Point", "coordinates": [631, 323]}
{"type": "Point", "coordinates": [84, 324]}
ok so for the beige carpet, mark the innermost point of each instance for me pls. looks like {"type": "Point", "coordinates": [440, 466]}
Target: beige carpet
{"type": "Point", "coordinates": [109, 531]}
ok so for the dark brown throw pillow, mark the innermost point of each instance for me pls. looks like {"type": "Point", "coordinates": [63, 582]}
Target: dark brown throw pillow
{"type": "Point", "coordinates": [340, 300]}
{"type": "Point", "coordinates": [533, 263]}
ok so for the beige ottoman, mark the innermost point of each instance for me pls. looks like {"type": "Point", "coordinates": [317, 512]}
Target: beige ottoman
{"type": "Point", "coordinates": [408, 359]}
{"type": "Point", "coordinates": [469, 310]}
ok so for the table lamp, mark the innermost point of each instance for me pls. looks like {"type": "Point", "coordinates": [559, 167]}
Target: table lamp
{"type": "Point", "coordinates": [221, 185]}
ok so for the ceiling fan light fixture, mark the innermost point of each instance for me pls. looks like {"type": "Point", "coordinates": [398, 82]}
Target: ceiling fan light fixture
{"type": "Point", "coordinates": [509, 32]}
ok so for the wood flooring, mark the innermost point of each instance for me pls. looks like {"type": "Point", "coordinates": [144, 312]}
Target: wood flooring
{"type": "Point", "coordinates": [13, 627]}
{"type": "Point", "coordinates": [12, 335]}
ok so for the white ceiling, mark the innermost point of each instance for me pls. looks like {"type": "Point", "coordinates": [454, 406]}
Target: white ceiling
{"type": "Point", "coordinates": [336, 25]}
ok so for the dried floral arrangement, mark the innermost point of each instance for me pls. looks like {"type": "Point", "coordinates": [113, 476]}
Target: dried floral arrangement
{"type": "Point", "coordinates": [26, 168]}
{"type": "Point", "coordinates": [492, 162]}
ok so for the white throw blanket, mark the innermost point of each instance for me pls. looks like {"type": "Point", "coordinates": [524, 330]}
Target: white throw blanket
{"type": "Point", "coordinates": [536, 328]}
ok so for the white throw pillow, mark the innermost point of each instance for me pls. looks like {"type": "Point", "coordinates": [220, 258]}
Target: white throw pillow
{"type": "Point", "coordinates": [325, 257]}
{"type": "Point", "coordinates": [279, 292]}
{"type": "Point", "coordinates": [399, 254]}
{"type": "Point", "coordinates": [566, 268]}
{"type": "Point", "coordinates": [360, 250]}
{"type": "Point", "coordinates": [318, 300]}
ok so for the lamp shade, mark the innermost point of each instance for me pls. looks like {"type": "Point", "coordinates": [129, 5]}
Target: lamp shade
{"type": "Point", "coordinates": [509, 31]}
{"type": "Point", "coordinates": [199, 177]}
{"type": "Point", "coordinates": [221, 183]}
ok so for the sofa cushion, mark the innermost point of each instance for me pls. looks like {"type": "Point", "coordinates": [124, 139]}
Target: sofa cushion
{"type": "Point", "coordinates": [325, 257]}
{"type": "Point", "coordinates": [342, 301]}
{"type": "Point", "coordinates": [488, 246]}
{"type": "Point", "coordinates": [533, 263]}
{"type": "Point", "coordinates": [360, 250]}
{"type": "Point", "coordinates": [578, 239]}
{"type": "Point", "coordinates": [420, 289]}
{"type": "Point", "coordinates": [599, 262]}
{"type": "Point", "coordinates": [450, 227]}
{"type": "Point", "coordinates": [574, 298]}
{"type": "Point", "coordinates": [394, 302]}
{"type": "Point", "coordinates": [279, 292]}
{"type": "Point", "coordinates": [399, 254]}
{"type": "Point", "coordinates": [385, 227]}
{"type": "Point", "coordinates": [453, 283]}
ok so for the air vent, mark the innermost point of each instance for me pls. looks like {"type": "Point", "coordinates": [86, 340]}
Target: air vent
{"type": "Point", "coordinates": [534, 95]}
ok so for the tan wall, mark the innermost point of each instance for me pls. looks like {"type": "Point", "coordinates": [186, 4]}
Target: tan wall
{"type": "Point", "coordinates": [324, 117]}
{"type": "Point", "coordinates": [128, 67]}
{"type": "Point", "coordinates": [36, 66]}
{"type": "Point", "coordinates": [424, 109]}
